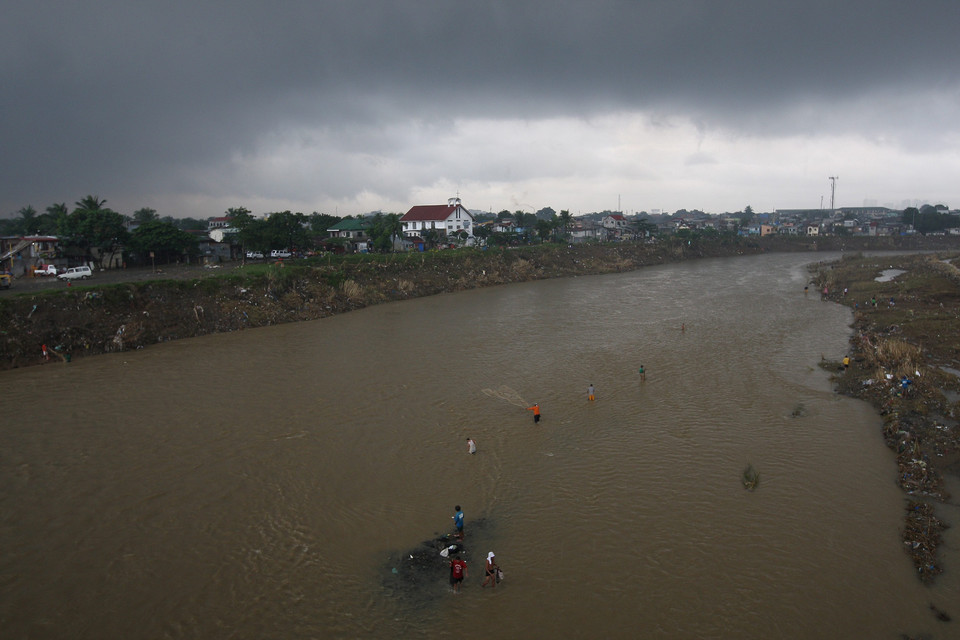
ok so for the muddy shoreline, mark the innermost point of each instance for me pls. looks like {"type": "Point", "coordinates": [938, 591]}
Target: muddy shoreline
{"type": "Point", "coordinates": [904, 359]}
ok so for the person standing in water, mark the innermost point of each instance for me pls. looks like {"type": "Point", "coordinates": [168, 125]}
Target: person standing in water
{"type": "Point", "coordinates": [458, 521]}
{"type": "Point", "coordinates": [536, 413]}
{"type": "Point", "coordinates": [643, 374]}
{"type": "Point", "coordinates": [471, 446]}
{"type": "Point", "coordinates": [590, 395]}
{"type": "Point", "coordinates": [458, 571]}
{"type": "Point", "coordinates": [491, 571]}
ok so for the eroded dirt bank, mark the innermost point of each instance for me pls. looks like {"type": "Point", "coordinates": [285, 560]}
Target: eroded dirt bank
{"type": "Point", "coordinates": [905, 360]}
{"type": "Point", "coordinates": [89, 318]}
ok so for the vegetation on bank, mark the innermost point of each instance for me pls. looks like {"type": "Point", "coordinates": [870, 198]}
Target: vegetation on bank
{"type": "Point", "coordinates": [905, 360]}
{"type": "Point", "coordinates": [94, 319]}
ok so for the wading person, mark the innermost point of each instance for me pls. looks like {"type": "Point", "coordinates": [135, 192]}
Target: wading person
{"type": "Point", "coordinates": [590, 395]}
{"type": "Point", "coordinates": [471, 446]}
{"type": "Point", "coordinates": [490, 571]}
{"type": "Point", "coordinates": [458, 571]}
{"type": "Point", "coordinates": [536, 413]}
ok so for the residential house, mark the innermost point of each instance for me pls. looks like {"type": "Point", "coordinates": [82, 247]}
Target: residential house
{"type": "Point", "coordinates": [445, 219]}
{"type": "Point", "coordinates": [615, 226]}
{"type": "Point", "coordinates": [354, 231]}
{"type": "Point", "coordinates": [584, 230]}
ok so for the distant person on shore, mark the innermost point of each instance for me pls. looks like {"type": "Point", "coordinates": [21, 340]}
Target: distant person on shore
{"type": "Point", "coordinates": [490, 571]}
{"type": "Point", "coordinates": [643, 374]}
{"type": "Point", "coordinates": [471, 446]}
{"type": "Point", "coordinates": [536, 413]}
{"type": "Point", "coordinates": [590, 395]}
{"type": "Point", "coordinates": [905, 383]}
{"type": "Point", "coordinates": [846, 362]}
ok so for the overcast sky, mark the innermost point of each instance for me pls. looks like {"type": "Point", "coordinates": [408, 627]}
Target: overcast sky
{"type": "Point", "coordinates": [345, 107]}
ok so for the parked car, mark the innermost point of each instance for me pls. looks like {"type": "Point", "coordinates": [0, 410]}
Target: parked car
{"type": "Point", "coordinates": [76, 273]}
{"type": "Point", "coordinates": [280, 253]}
{"type": "Point", "coordinates": [5, 280]}
{"type": "Point", "coordinates": [254, 255]}
{"type": "Point", "coordinates": [45, 270]}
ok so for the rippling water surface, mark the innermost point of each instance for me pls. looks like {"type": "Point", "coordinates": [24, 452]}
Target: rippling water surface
{"type": "Point", "coordinates": [263, 484]}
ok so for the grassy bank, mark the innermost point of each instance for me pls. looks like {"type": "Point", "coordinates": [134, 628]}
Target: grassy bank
{"type": "Point", "coordinates": [905, 360]}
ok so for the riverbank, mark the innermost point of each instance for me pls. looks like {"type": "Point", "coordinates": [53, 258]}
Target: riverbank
{"type": "Point", "coordinates": [905, 360]}
{"type": "Point", "coordinates": [134, 309]}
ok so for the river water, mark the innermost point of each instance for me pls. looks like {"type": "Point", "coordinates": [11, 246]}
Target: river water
{"type": "Point", "coordinates": [265, 484]}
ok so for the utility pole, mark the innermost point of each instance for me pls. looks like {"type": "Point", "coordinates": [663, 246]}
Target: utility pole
{"type": "Point", "coordinates": [833, 190]}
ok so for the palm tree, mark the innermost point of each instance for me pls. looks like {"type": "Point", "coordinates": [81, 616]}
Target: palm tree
{"type": "Point", "coordinates": [90, 203]}
{"type": "Point", "coordinates": [28, 220]}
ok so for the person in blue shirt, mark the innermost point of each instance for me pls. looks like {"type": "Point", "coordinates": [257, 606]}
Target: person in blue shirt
{"type": "Point", "coordinates": [458, 521]}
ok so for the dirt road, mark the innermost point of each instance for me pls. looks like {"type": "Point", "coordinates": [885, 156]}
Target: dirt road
{"type": "Point", "coordinates": [29, 284]}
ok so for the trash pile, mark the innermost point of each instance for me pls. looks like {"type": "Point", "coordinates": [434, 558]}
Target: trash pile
{"type": "Point", "coordinates": [919, 427]}
{"type": "Point", "coordinates": [921, 537]}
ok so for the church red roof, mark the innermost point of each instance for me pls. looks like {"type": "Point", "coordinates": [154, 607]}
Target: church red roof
{"type": "Point", "coordinates": [429, 212]}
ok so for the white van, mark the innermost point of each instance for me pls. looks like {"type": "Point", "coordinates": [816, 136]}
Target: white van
{"type": "Point", "coordinates": [75, 273]}
{"type": "Point", "coordinates": [280, 253]}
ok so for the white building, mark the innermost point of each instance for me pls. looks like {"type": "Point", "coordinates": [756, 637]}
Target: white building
{"type": "Point", "coordinates": [445, 219]}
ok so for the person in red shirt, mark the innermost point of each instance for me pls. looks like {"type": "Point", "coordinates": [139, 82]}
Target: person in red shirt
{"type": "Point", "coordinates": [458, 571]}
{"type": "Point", "coordinates": [536, 412]}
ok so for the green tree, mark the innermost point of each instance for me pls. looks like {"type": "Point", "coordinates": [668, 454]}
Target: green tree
{"type": "Point", "coordinates": [544, 229]}
{"type": "Point", "coordinates": [383, 230]}
{"type": "Point", "coordinates": [94, 231]}
{"type": "Point", "coordinates": [146, 214]}
{"type": "Point", "coordinates": [319, 223]}
{"type": "Point", "coordinates": [27, 224]}
{"type": "Point", "coordinates": [90, 203]}
{"type": "Point", "coordinates": [163, 239]}
{"type": "Point", "coordinates": [482, 232]}
{"type": "Point", "coordinates": [431, 238]}
{"type": "Point", "coordinates": [565, 220]}
{"type": "Point", "coordinates": [58, 213]}
{"type": "Point", "coordinates": [255, 235]}
{"type": "Point", "coordinates": [287, 230]}
{"type": "Point", "coordinates": [644, 228]}
{"type": "Point", "coordinates": [187, 224]}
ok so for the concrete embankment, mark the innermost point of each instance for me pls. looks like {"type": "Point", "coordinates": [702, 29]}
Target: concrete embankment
{"type": "Point", "coordinates": [87, 320]}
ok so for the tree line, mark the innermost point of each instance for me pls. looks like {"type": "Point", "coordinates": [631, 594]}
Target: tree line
{"type": "Point", "coordinates": [93, 232]}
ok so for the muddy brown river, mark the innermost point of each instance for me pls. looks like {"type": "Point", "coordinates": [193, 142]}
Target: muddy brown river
{"type": "Point", "coordinates": [265, 484]}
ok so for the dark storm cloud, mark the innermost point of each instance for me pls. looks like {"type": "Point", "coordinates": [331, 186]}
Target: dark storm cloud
{"type": "Point", "coordinates": [116, 98]}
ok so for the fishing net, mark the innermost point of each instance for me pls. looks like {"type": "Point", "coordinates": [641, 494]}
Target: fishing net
{"type": "Point", "coordinates": [504, 392]}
